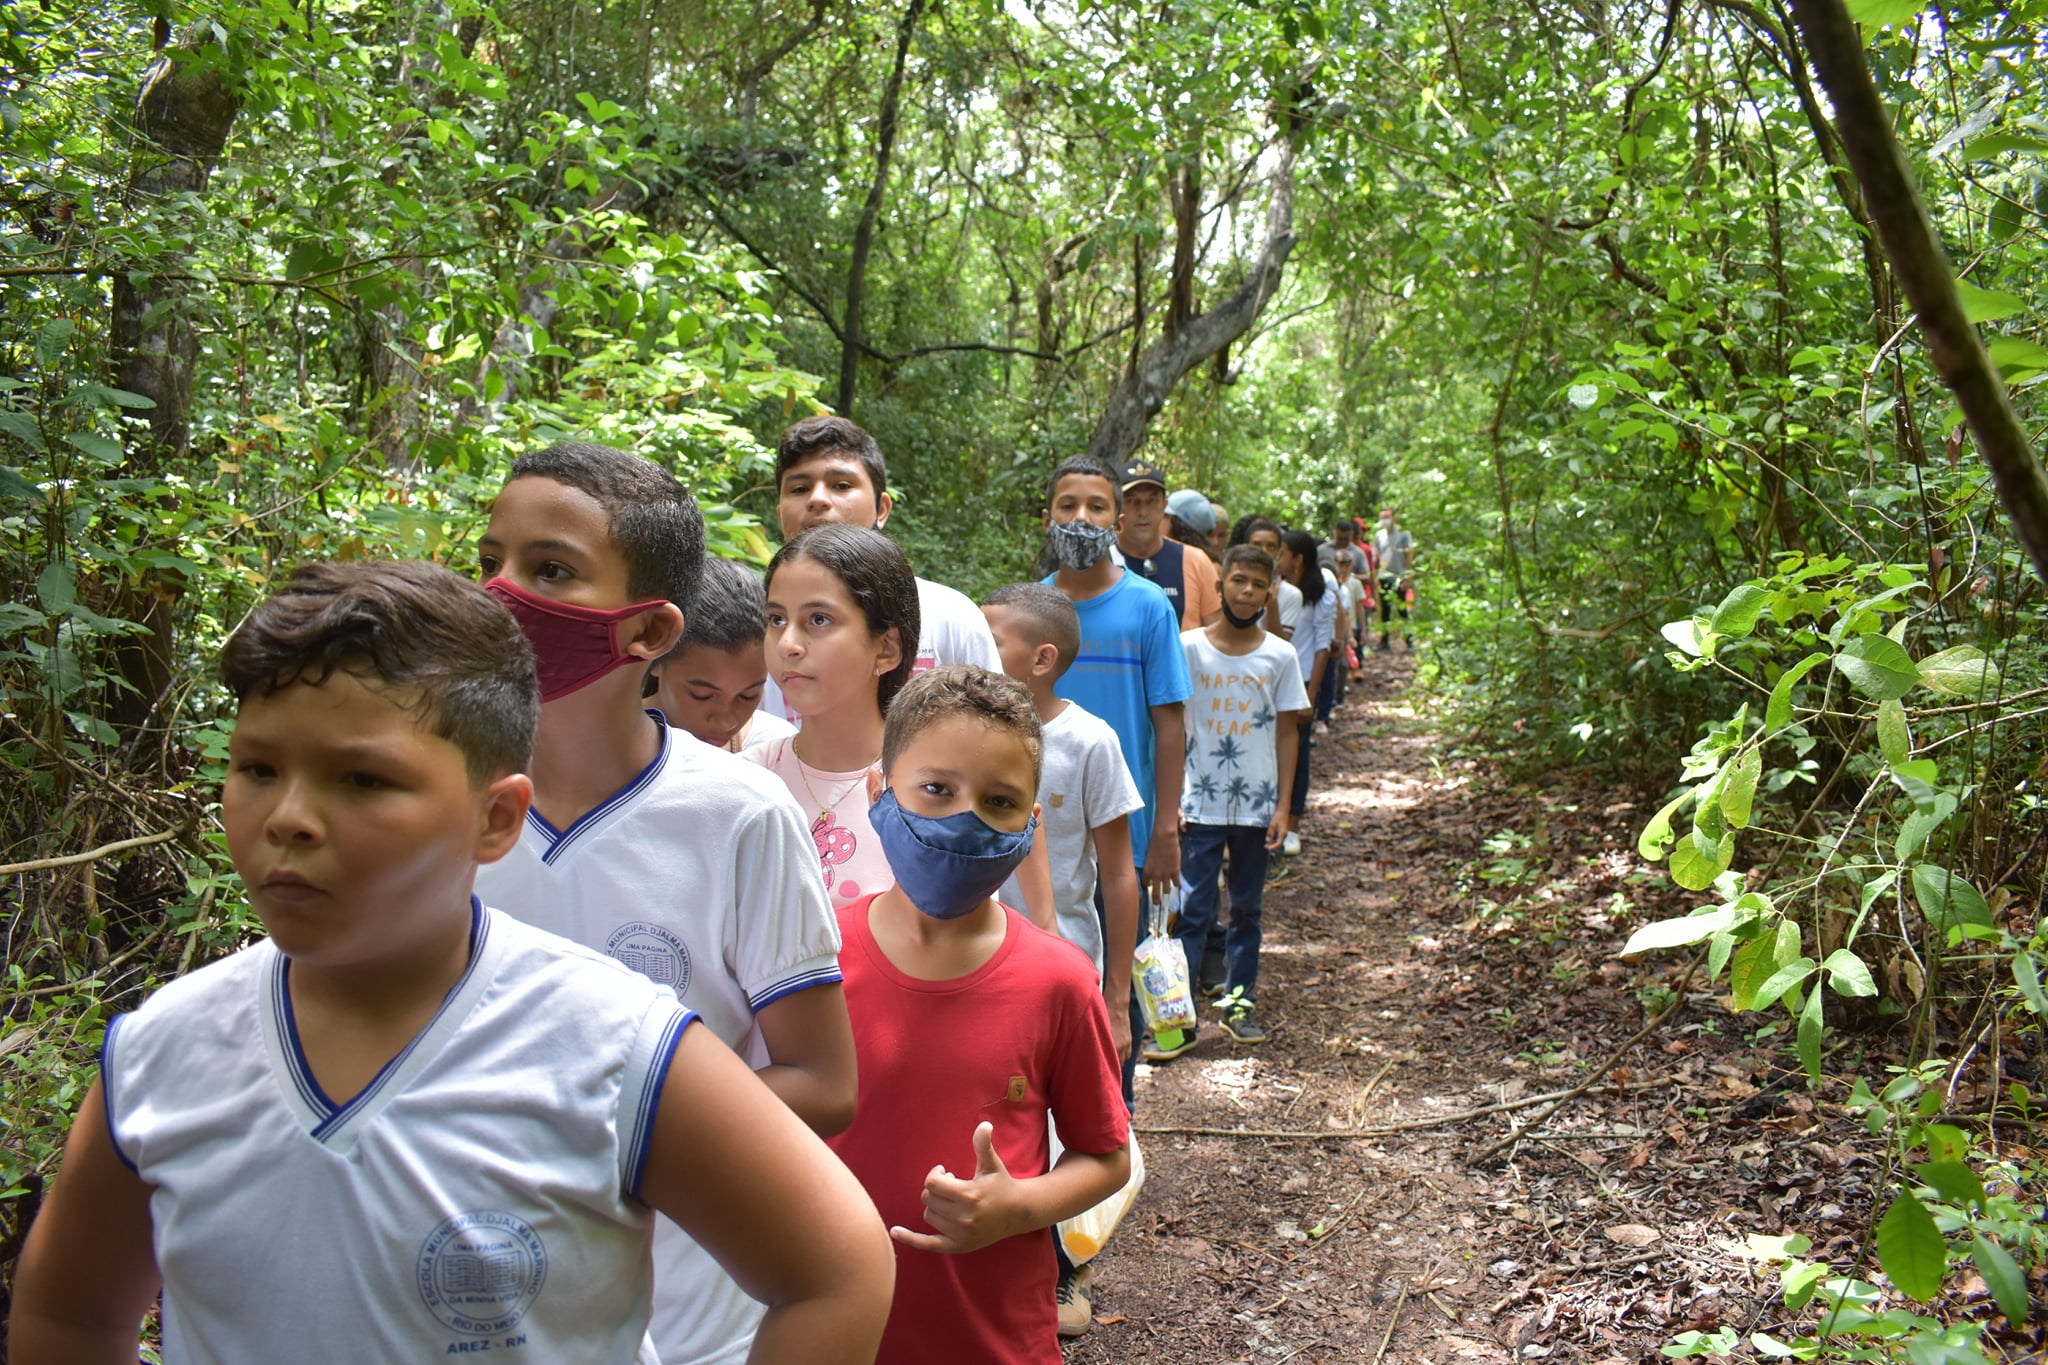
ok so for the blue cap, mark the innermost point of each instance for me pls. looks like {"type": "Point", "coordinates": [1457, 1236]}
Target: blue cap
{"type": "Point", "coordinates": [1193, 509]}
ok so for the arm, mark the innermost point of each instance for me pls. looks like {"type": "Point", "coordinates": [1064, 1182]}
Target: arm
{"type": "Point", "coordinates": [1119, 877]}
{"type": "Point", "coordinates": [1289, 750]}
{"type": "Point", "coordinates": [1315, 676]}
{"type": "Point", "coordinates": [993, 1204]}
{"type": "Point", "coordinates": [88, 1272]}
{"type": "Point", "coordinates": [1170, 756]}
{"type": "Point", "coordinates": [743, 1176]}
{"type": "Point", "coordinates": [1034, 879]}
{"type": "Point", "coordinates": [811, 1064]}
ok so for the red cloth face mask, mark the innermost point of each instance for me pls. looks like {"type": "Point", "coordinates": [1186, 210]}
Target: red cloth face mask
{"type": "Point", "coordinates": [573, 646]}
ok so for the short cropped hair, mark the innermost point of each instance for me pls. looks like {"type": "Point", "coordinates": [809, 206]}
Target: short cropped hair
{"type": "Point", "coordinates": [1252, 557]}
{"type": "Point", "coordinates": [997, 701]}
{"type": "Point", "coordinates": [729, 612]}
{"type": "Point", "coordinates": [403, 625]}
{"type": "Point", "coordinates": [1241, 534]}
{"type": "Point", "coordinates": [653, 521]}
{"type": "Point", "coordinates": [879, 580]}
{"type": "Point", "coordinates": [1093, 468]}
{"type": "Point", "coordinates": [829, 435]}
{"type": "Point", "coordinates": [1048, 613]}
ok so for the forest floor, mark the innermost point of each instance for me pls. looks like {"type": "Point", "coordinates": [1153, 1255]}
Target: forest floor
{"type": "Point", "coordinates": [1399, 1005]}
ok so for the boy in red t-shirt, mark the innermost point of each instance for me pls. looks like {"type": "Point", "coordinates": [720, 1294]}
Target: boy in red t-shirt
{"type": "Point", "coordinates": [970, 1025]}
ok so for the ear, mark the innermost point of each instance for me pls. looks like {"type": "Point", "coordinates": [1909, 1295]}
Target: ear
{"type": "Point", "coordinates": [1045, 518]}
{"type": "Point", "coordinates": [505, 802]}
{"type": "Point", "coordinates": [892, 650]}
{"type": "Point", "coordinates": [1044, 659]}
{"type": "Point", "coordinates": [659, 630]}
{"type": "Point", "coordinates": [884, 505]}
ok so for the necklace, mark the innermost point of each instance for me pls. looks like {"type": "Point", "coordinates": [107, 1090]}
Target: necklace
{"type": "Point", "coordinates": [803, 776]}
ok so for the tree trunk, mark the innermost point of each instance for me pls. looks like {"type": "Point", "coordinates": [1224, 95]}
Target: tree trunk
{"type": "Point", "coordinates": [1138, 397]}
{"type": "Point", "coordinates": [1893, 201]}
{"type": "Point", "coordinates": [871, 211]}
{"type": "Point", "coordinates": [182, 116]}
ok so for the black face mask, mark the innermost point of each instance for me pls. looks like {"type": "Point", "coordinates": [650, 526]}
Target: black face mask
{"type": "Point", "coordinates": [1241, 622]}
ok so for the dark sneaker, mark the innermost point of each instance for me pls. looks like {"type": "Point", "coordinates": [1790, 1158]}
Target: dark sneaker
{"type": "Point", "coordinates": [1238, 1020]}
{"type": "Point", "coordinates": [1384, 647]}
{"type": "Point", "coordinates": [1213, 970]}
{"type": "Point", "coordinates": [1077, 1311]}
{"type": "Point", "coordinates": [1164, 1048]}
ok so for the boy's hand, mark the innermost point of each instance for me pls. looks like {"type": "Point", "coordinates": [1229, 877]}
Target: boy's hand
{"type": "Point", "coordinates": [1276, 830]}
{"type": "Point", "coordinates": [1120, 1025]}
{"type": "Point", "coordinates": [1162, 859]}
{"type": "Point", "coordinates": [969, 1214]}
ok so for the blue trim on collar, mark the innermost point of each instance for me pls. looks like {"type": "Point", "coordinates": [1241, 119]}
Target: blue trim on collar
{"type": "Point", "coordinates": [559, 841]}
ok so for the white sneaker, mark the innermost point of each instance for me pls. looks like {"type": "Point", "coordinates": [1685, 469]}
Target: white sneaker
{"type": "Point", "coordinates": [1291, 845]}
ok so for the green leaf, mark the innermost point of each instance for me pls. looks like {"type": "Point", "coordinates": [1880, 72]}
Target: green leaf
{"type": "Point", "coordinates": [101, 448]}
{"type": "Point", "coordinates": [1779, 711]}
{"type": "Point", "coordinates": [2026, 974]}
{"type": "Point", "coordinates": [2002, 1277]}
{"type": "Point", "coordinates": [1800, 1280]}
{"type": "Point", "coordinates": [2017, 353]}
{"type": "Point", "coordinates": [1877, 667]}
{"type": "Point", "coordinates": [1784, 979]}
{"type": "Point", "coordinates": [21, 427]}
{"type": "Point", "coordinates": [56, 588]}
{"type": "Point", "coordinates": [1894, 740]}
{"type": "Point", "coordinates": [1679, 933]}
{"type": "Point", "coordinates": [1964, 671]}
{"type": "Point", "coordinates": [1953, 1181]}
{"type": "Point", "coordinates": [1697, 860]}
{"type": "Point", "coordinates": [1987, 305]}
{"type": "Point", "coordinates": [1910, 1249]}
{"type": "Point", "coordinates": [1808, 1043]}
{"type": "Point", "coordinates": [1738, 612]}
{"type": "Point", "coordinates": [1948, 900]}
{"type": "Point", "coordinates": [1916, 777]}
{"type": "Point", "coordinates": [1848, 975]}
{"type": "Point", "coordinates": [1687, 636]}
{"type": "Point", "coordinates": [1987, 145]}
{"type": "Point", "coordinates": [310, 258]}
{"type": "Point", "coordinates": [1921, 825]}
{"type": "Point", "coordinates": [1650, 844]}
{"type": "Point", "coordinates": [1758, 960]}
{"type": "Point", "coordinates": [1883, 13]}
{"type": "Point", "coordinates": [1738, 786]}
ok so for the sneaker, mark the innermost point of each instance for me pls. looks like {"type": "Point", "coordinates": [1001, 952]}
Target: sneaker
{"type": "Point", "coordinates": [1159, 1051]}
{"type": "Point", "coordinates": [1077, 1311]}
{"type": "Point", "coordinates": [1291, 844]}
{"type": "Point", "coordinates": [1238, 1020]}
{"type": "Point", "coordinates": [1384, 647]}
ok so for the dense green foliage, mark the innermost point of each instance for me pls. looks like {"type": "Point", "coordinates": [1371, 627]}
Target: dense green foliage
{"type": "Point", "coordinates": [1586, 289]}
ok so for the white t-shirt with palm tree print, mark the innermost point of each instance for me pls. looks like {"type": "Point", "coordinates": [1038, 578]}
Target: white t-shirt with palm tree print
{"type": "Point", "coordinates": [1233, 728]}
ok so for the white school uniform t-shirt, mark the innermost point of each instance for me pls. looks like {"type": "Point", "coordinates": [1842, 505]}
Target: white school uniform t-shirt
{"type": "Point", "coordinates": [1233, 757]}
{"type": "Point", "coordinates": [479, 1195]}
{"type": "Point", "coordinates": [1290, 603]}
{"type": "Point", "coordinates": [1083, 784]}
{"type": "Point", "coordinates": [701, 875]}
{"type": "Point", "coordinates": [950, 630]}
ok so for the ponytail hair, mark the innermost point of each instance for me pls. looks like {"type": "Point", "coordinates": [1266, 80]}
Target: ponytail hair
{"type": "Point", "coordinates": [1302, 546]}
{"type": "Point", "coordinates": [877, 578]}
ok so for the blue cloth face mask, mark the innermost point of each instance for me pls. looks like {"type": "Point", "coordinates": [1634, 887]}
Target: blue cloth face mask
{"type": "Point", "coordinates": [1080, 545]}
{"type": "Point", "coordinates": [947, 865]}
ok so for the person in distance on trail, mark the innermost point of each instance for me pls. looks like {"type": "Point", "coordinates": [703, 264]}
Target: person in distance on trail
{"type": "Point", "coordinates": [828, 469]}
{"type": "Point", "coordinates": [1219, 531]}
{"type": "Point", "coordinates": [1394, 549]}
{"type": "Point", "coordinates": [1188, 580]}
{"type": "Point", "coordinates": [1191, 520]}
{"type": "Point", "coordinates": [406, 1126]}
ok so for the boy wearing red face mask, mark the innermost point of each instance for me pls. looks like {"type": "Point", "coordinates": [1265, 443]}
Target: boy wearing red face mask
{"type": "Point", "coordinates": [682, 861]}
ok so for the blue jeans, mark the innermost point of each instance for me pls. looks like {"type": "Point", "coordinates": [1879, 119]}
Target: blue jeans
{"type": "Point", "coordinates": [1202, 855]}
{"type": "Point", "coordinates": [1298, 801]}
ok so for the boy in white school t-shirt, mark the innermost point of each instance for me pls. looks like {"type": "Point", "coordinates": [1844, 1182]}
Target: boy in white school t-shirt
{"type": "Point", "coordinates": [1085, 791]}
{"type": "Point", "coordinates": [405, 1126]}
{"type": "Point", "coordinates": [686, 863]}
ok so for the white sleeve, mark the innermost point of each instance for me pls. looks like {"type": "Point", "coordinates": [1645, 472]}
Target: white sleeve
{"type": "Point", "coordinates": [785, 938]}
{"type": "Point", "coordinates": [1289, 693]}
{"type": "Point", "coordinates": [958, 633]}
{"type": "Point", "coordinates": [1107, 790]}
{"type": "Point", "coordinates": [1290, 609]}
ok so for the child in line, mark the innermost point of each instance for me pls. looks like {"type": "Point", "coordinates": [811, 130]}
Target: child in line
{"type": "Point", "coordinates": [1242, 741]}
{"type": "Point", "coordinates": [406, 1126]}
{"type": "Point", "coordinates": [1313, 631]}
{"type": "Point", "coordinates": [842, 611]}
{"type": "Point", "coordinates": [710, 684]}
{"type": "Point", "coordinates": [971, 1026]}
{"type": "Point", "coordinates": [1285, 612]}
{"type": "Point", "coordinates": [686, 863]}
{"type": "Point", "coordinates": [1085, 793]}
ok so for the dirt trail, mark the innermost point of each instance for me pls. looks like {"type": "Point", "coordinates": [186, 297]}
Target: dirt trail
{"type": "Point", "coordinates": [1393, 997]}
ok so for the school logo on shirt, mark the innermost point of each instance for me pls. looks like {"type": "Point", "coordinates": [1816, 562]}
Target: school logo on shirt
{"type": "Point", "coordinates": [480, 1272]}
{"type": "Point", "coordinates": [654, 952]}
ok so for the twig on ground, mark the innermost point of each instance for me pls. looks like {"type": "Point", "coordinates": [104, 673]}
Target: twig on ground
{"type": "Point", "coordinates": [1392, 1322]}
{"type": "Point", "coordinates": [1389, 1129]}
{"type": "Point", "coordinates": [1358, 1105]}
{"type": "Point", "coordinates": [93, 854]}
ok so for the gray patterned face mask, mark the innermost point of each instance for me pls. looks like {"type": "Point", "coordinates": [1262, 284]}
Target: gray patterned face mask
{"type": "Point", "coordinates": [1080, 545]}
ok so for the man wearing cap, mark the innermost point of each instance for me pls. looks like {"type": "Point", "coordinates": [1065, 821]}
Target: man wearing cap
{"type": "Point", "coordinates": [1188, 579]}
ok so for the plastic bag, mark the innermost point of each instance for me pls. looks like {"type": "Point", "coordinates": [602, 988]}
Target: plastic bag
{"type": "Point", "coordinates": [1160, 969]}
{"type": "Point", "coordinates": [1351, 656]}
{"type": "Point", "coordinates": [1086, 1232]}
